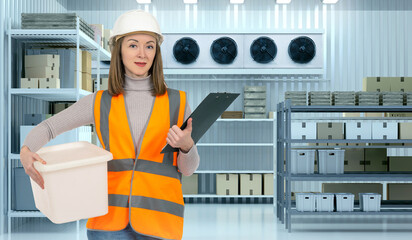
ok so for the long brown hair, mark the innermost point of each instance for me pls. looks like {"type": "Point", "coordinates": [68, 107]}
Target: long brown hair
{"type": "Point", "coordinates": [117, 71]}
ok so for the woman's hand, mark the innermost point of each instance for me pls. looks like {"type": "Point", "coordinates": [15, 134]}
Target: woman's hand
{"type": "Point", "coordinates": [27, 158]}
{"type": "Point", "coordinates": [181, 139]}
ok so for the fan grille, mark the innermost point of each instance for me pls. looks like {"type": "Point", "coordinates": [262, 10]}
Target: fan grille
{"type": "Point", "coordinates": [224, 50]}
{"type": "Point", "coordinates": [302, 49]}
{"type": "Point", "coordinates": [186, 50]}
{"type": "Point", "coordinates": [263, 50]}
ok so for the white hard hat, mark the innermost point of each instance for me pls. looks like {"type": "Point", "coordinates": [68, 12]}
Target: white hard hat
{"type": "Point", "coordinates": [135, 21]}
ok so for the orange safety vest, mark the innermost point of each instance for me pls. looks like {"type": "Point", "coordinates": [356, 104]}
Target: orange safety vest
{"type": "Point", "coordinates": [145, 190]}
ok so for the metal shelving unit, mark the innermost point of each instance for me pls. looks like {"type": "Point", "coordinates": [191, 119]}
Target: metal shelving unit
{"type": "Point", "coordinates": [73, 38]}
{"type": "Point", "coordinates": [284, 177]}
{"type": "Point", "coordinates": [272, 145]}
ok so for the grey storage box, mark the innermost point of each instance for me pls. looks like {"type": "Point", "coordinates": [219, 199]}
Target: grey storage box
{"type": "Point", "coordinates": [254, 103]}
{"type": "Point", "coordinates": [330, 130]}
{"type": "Point", "coordinates": [370, 202]}
{"type": "Point", "coordinates": [344, 202]}
{"type": "Point", "coordinates": [331, 161]}
{"type": "Point", "coordinates": [255, 115]}
{"type": "Point", "coordinates": [302, 161]}
{"type": "Point", "coordinates": [255, 89]}
{"type": "Point", "coordinates": [305, 202]}
{"type": "Point", "coordinates": [23, 199]}
{"type": "Point", "coordinates": [255, 109]}
{"type": "Point", "coordinates": [324, 202]}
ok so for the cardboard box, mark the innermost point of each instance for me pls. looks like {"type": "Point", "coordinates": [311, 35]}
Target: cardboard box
{"type": "Point", "coordinates": [227, 184]}
{"type": "Point", "coordinates": [376, 84]}
{"type": "Point", "coordinates": [372, 114]}
{"type": "Point", "coordinates": [250, 184]}
{"type": "Point", "coordinates": [359, 130]}
{"type": "Point", "coordinates": [401, 84]}
{"type": "Point", "coordinates": [350, 115]}
{"type": "Point", "coordinates": [86, 62]}
{"type": "Point", "coordinates": [398, 114]}
{"type": "Point", "coordinates": [58, 107]}
{"type": "Point", "coordinates": [400, 164]}
{"type": "Point", "coordinates": [87, 83]}
{"type": "Point", "coordinates": [376, 160]}
{"type": "Point", "coordinates": [354, 160]}
{"type": "Point", "coordinates": [104, 83]}
{"type": "Point", "coordinates": [405, 130]}
{"type": "Point", "coordinates": [268, 184]}
{"type": "Point", "coordinates": [303, 130]}
{"type": "Point", "coordinates": [271, 115]}
{"type": "Point", "coordinates": [49, 83]}
{"type": "Point", "coordinates": [106, 37]}
{"type": "Point", "coordinates": [29, 83]}
{"type": "Point", "coordinates": [45, 60]}
{"type": "Point", "coordinates": [42, 72]}
{"type": "Point", "coordinates": [232, 114]}
{"type": "Point", "coordinates": [331, 130]}
{"type": "Point", "coordinates": [399, 191]}
{"type": "Point", "coordinates": [190, 184]}
{"type": "Point", "coordinates": [384, 130]}
{"type": "Point", "coordinates": [354, 188]}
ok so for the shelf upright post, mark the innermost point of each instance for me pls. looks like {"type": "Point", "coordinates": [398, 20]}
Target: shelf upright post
{"type": "Point", "coordinates": [274, 160]}
{"type": "Point", "coordinates": [288, 137]}
{"type": "Point", "coordinates": [281, 169]}
{"type": "Point", "coordinates": [78, 87]}
{"type": "Point", "coordinates": [8, 84]}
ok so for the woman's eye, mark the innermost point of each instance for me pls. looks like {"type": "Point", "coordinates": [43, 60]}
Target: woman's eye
{"type": "Point", "coordinates": [150, 47]}
{"type": "Point", "coordinates": [133, 46]}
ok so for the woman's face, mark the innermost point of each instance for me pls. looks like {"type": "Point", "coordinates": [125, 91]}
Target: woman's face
{"type": "Point", "coordinates": [138, 53]}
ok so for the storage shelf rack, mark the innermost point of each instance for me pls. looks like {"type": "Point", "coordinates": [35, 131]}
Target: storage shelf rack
{"type": "Point", "coordinates": [284, 210]}
{"type": "Point", "coordinates": [70, 38]}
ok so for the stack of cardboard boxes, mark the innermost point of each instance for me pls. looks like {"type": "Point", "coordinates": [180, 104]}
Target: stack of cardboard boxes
{"type": "Point", "coordinates": [101, 35]}
{"type": "Point", "coordinates": [41, 71]}
{"type": "Point", "coordinates": [244, 184]}
{"type": "Point", "coordinates": [86, 71]}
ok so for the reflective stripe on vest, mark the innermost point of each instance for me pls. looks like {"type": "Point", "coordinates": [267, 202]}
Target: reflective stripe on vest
{"type": "Point", "coordinates": [147, 191]}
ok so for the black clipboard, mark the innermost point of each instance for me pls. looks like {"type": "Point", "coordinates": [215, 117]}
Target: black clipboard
{"type": "Point", "coordinates": [205, 115]}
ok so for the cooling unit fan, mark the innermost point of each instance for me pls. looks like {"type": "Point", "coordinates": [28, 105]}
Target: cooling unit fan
{"type": "Point", "coordinates": [186, 50]}
{"type": "Point", "coordinates": [302, 49]}
{"type": "Point", "coordinates": [263, 50]}
{"type": "Point", "coordinates": [224, 50]}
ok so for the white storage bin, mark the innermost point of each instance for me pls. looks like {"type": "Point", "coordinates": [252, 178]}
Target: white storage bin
{"type": "Point", "coordinates": [359, 130]}
{"type": "Point", "coordinates": [384, 130]}
{"type": "Point", "coordinates": [303, 130]}
{"type": "Point", "coordinates": [344, 202]}
{"type": "Point", "coordinates": [305, 202]}
{"type": "Point", "coordinates": [75, 182]}
{"type": "Point", "coordinates": [370, 202]}
{"type": "Point", "coordinates": [331, 161]}
{"type": "Point", "coordinates": [302, 161]}
{"type": "Point", "coordinates": [324, 202]}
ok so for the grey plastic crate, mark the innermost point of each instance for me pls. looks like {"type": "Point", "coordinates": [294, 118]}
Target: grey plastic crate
{"type": "Point", "coordinates": [325, 202]}
{"type": "Point", "coordinates": [303, 161]}
{"type": "Point", "coordinates": [255, 89]}
{"type": "Point", "coordinates": [344, 202]}
{"type": "Point", "coordinates": [255, 115]}
{"type": "Point", "coordinates": [255, 96]}
{"type": "Point", "coordinates": [255, 109]}
{"type": "Point", "coordinates": [254, 103]}
{"type": "Point", "coordinates": [370, 202]}
{"type": "Point", "coordinates": [305, 202]}
{"type": "Point", "coordinates": [23, 199]}
{"type": "Point", "coordinates": [331, 161]}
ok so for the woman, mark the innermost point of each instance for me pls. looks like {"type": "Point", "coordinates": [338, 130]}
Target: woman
{"type": "Point", "coordinates": [134, 119]}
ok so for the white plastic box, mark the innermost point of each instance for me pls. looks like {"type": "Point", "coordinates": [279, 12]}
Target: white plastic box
{"type": "Point", "coordinates": [331, 161]}
{"type": "Point", "coordinates": [384, 130]}
{"type": "Point", "coordinates": [303, 130]}
{"type": "Point", "coordinates": [305, 202]}
{"type": "Point", "coordinates": [75, 182]}
{"type": "Point", "coordinates": [302, 161]}
{"type": "Point", "coordinates": [344, 202]}
{"type": "Point", "coordinates": [325, 202]}
{"type": "Point", "coordinates": [370, 202]}
{"type": "Point", "coordinates": [359, 130]}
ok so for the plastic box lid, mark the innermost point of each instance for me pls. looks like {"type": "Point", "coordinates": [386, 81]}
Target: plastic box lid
{"type": "Point", "coordinates": [71, 155]}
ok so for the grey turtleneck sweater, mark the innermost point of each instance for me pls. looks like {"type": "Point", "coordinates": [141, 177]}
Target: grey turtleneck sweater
{"type": "Point", "coordinates": [139, 99]}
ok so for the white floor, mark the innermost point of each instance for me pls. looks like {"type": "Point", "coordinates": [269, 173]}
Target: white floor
{"type": "Point", "coordinates": [244, 222]}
